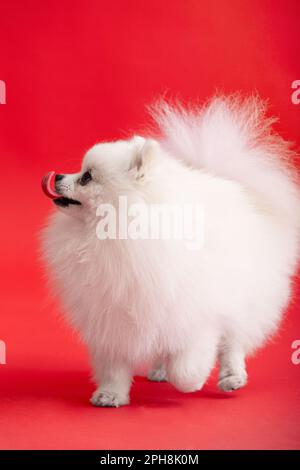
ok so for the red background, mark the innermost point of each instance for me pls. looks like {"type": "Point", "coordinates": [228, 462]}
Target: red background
{"type": "Point", "coordinates": [81, 71]}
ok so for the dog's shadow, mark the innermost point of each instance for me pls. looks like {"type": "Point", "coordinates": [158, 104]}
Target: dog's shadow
{"type": "Point", "coordinates": [152, 394]}
{"type": "Point", "coordinates": [74, 388]}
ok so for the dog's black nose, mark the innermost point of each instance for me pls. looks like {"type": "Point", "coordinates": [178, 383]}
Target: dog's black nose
{"type": "Point", "coordinates": [58, 178]}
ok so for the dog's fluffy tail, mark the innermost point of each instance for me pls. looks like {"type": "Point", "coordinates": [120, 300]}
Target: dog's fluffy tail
{"type": "Point", "coordinates": [233, 138]}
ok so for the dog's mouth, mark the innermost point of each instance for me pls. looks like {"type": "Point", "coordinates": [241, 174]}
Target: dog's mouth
{"type": "Point", "coordinates": [48, 186]}
{"type": "Point", "coordinates": [66, 201]}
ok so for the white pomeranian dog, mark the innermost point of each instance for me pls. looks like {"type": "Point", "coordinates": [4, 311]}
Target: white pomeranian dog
{"type": "Point", "coordinates": [136, 300]}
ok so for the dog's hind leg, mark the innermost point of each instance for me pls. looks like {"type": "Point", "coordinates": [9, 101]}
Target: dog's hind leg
{"type": "Point", "coordinates": [189, 369]}
{"type": "Point", "coordinates": [158, 373]}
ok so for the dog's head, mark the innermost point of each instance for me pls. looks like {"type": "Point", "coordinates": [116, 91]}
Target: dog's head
{"type": "Point", "coordinates": [108, 171]}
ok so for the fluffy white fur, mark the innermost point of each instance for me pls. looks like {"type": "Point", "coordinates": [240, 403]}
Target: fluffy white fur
{"type": "Point", "coordinates": [144, 300]}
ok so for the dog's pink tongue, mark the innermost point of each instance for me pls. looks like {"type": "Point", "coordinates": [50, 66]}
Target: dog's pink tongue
{"type": "Point", "coordinates": [48, 185]}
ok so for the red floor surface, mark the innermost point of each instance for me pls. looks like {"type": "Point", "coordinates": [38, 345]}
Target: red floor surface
{"type": "Point", "coordinates": [45, 389]}
{"type": "Point", "coordinates": [79, 72]}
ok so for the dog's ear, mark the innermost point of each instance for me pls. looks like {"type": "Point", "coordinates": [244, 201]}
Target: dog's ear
{"type": "Point", "coordinates": [143, 156]}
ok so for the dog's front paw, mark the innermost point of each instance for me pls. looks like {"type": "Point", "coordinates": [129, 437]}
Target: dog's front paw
{"type": "Point", "coordinates": [108, 399]}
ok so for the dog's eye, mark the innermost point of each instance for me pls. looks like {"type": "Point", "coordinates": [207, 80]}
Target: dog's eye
{"type": "Point", "coordinates": [86, 178]}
